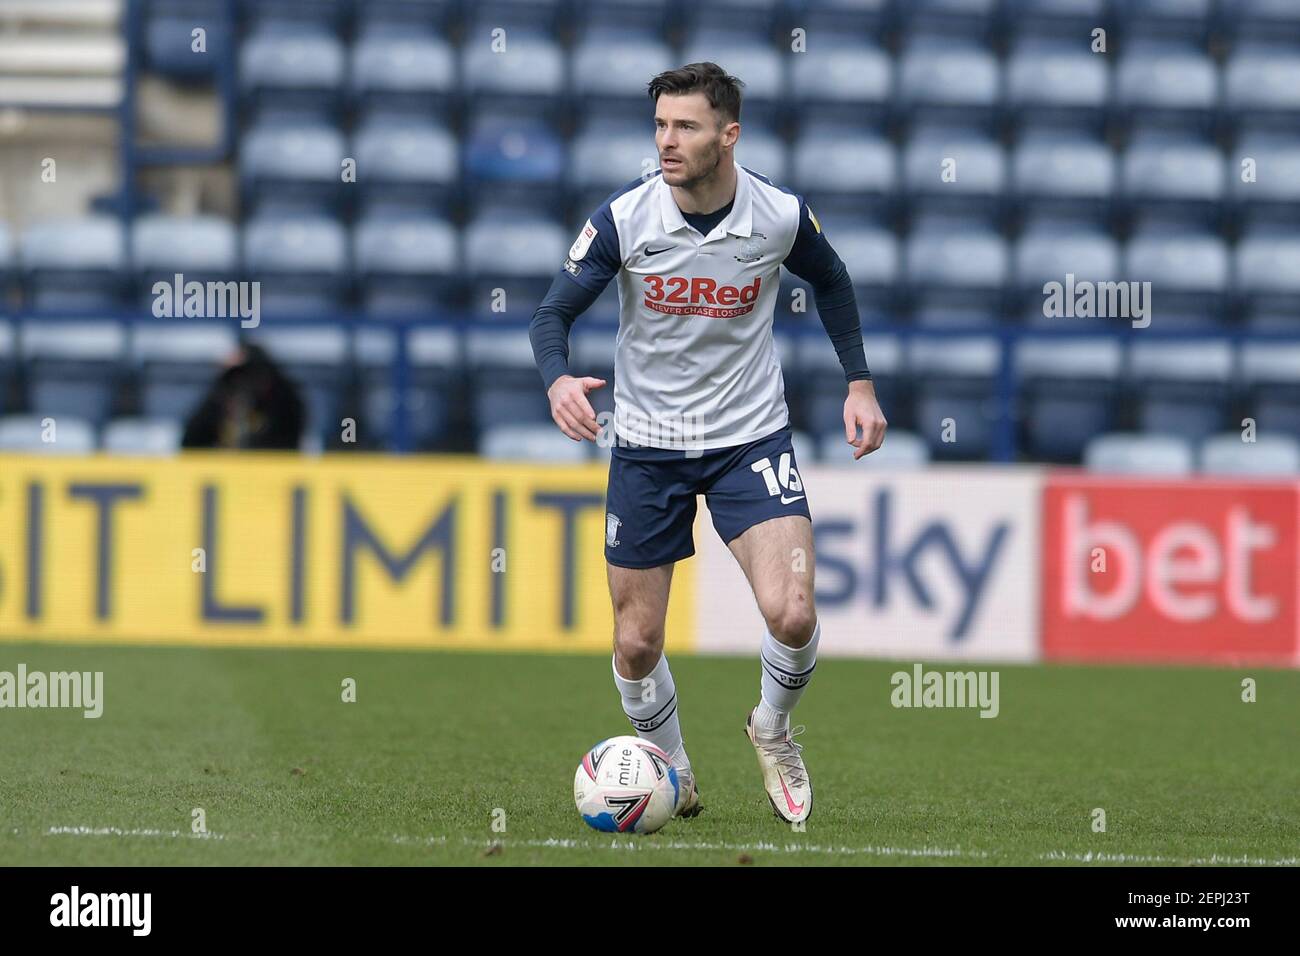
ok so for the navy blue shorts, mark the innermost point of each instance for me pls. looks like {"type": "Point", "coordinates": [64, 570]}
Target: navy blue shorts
{"type": "Point", "coordinates": [650, 500]}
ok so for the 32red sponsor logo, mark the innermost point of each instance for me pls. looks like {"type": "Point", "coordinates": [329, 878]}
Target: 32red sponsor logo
{"type": "Point", "coordinates": [678, 295]}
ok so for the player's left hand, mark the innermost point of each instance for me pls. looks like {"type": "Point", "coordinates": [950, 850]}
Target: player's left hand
{"type": "Point", "coordinates": [861, 410]}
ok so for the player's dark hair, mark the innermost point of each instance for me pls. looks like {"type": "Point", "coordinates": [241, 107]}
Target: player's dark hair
{"type": "Point", "coordinates": [722, 91]}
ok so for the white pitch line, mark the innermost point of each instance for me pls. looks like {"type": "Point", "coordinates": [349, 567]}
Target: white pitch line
{"type": "Point", "coordinates": [638, 844]}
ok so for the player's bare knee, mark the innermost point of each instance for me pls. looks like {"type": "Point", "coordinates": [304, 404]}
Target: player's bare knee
{"type": "Point", "coordinates": [792, 621]}
{"type": "Point", "coordinates": [638, 647]}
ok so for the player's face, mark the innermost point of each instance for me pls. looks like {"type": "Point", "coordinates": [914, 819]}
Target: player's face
{"type": "Point", "coordinates": [688, 139]}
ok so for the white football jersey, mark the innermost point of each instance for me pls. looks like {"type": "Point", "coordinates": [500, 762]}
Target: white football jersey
{"type": "Point", "coordinates": [695, 365]}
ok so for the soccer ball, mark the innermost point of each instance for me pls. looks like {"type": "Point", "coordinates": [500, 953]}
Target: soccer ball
{"type": "Point", "coordinates": [625, 785]}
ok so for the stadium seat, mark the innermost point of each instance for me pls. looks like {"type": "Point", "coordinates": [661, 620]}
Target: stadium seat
{"type": "Point", "coordinates": [168, 40]}
{"type": "Point", "coordinates": [955, 383]}
{"type": "Point", "coordinates": [843, 81]}
{"type": "Point", "coordinates": [73, 368]}
{"type": "Point", "coordinates": [1049, 80]}
{"type": "Point", "coordinates": [402, 72]}
{"type": "Point", "coordinates": [1160, 83]}
{"type": "Point", "coordinates": [1165, 19]}
{"type": "Point", "coordinates": [142, 436]}
{"type": "Point", "coordinates": [854, 173]}
{"type": "Point", "coordinates": [1053, 252]}
{"type": "Point", "coordinates": [1270, 373]}
{"type": "Point", "coordinates": [1267, 456]}
{"type": "Point", "coordinates": [176, 362]}
{"type": "Point", "coordinates": [952, 171]}
{"type": "Point", "coordinates": [532, 443]}
{"type": "Point", "coordinates": [506, 386]}
{"type": "Point", "coordinates": [74, 264]}
{"type": "Point", "coordinates": [300, 263]}
{"type": "Point", "coordinates": [1267, 274]}
{"type": "Point", "coordinates": [526, 76]}
{"type": "Point", "coordinates": [519, 256]}
{"type": "Point", "coordinates": [1182, 388]}
{"type": "Point", "coordinates": [1172, 178]}
{"type": "Point", "coordinates": [31, 434]}
{"type": "Point", "coordinates": [292, 169]}
{"type": "Point", "coordinates": [314, 358]}
{"type": "Point", "coordinates": [942, 80]}
{"type": "Point", "coordinates": [407, 267]}
{"type": "Point", "coordinates": [1069, 394]}
{"type": "Point", "coordinates": [1261, 86]}
{"type": "Point", "coordinates": [605, 156]}
{"type": "Point", "coordinates": [609, 78]}
{"type": "Point", "coordinates": [200, 248]}
{"type": "Point", "coordinates": [435, 418]}
{"type": "Point", "coordinates": [1273, 196]}
{"type": "Point", "coordinates": [1190, 273]}
{"type": "Point", "coordinates": [519, 161]}
{"type": "Point", "coordinates": [406, 166]}
{"type": "Point", "coordinates": [1120, 453]}
{"type": "Point", "coordinates": [756, 61]}
{"type": "Point", "coordinates": [1056, 174]}
{"type": "Point", "coordinates": [290, 71]}
{"type": "Point", "coordinates": [956, 277]}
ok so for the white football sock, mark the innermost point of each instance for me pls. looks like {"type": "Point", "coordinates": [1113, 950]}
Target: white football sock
{"type": "Point", "coordinates": [654, 719]}
{"type": "Point", "coordinates": [786, 672]}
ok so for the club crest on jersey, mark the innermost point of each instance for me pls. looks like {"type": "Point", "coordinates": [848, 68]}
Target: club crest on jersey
{"type": "Point", "coordinates": [678, 295]}
{"type": "Point", "coordinates": [612, 521]}
{"type": "Point", "coordinates": [780, 479]}
{"type": "Point", "coordinates": [750, 249]}
{"type": "Point", "coordinates": [583, 242]}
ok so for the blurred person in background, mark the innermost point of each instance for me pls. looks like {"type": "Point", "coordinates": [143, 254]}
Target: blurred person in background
{"type": "Point", "coordinates": [252, 404]}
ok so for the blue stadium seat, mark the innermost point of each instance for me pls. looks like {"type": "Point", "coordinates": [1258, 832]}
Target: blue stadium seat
{"type": "Point", "coordinates": [292, 169]}
{"type": "Point", "coordinates": [74, 264]}
{"type": "Point", "coordinates": [1267, 456]}
{"type": "Point", "coordinates": [1057, 81]}
{"type": "Point", "coordinates": [527, 77]}
{"type": "Point", "coordinates": [947, 81]}
{"type": "Point", "coordinates": [763, 152]}
{"type": "Point", "coordinates": [406, 165]}
{"type": "Point", "coordinates": [1274, 194]}
{"type": "Point", "coordinates": [956, 277]}
{"type": "Point", "coordinates": [302, 264]}
{"type": "Point", "coordinates": [72, 368]}
{"type": "Point", "coordinates": [856, 173]}
{"type": "Point", "coordinates": [902, 451]}
{"type": "Point", "coordinates": [200, 248]}
{"type": "Point", "coordinates": [315, 359]}
{"type": "Point", "coordinates": [843, 81]}
{"type": "Point", "coordinates": [290, 71]}
{"type": "Point", "coordinates": [1126, 453]}
{"type": "Point", "coordinates": [1182, 388]}
{"type": "Point", "coordinates": [1267, 272]}
{"type": "Point", "coordinates": [1165, 19]}
{"type": "Point", "coordinates": [645, 19]}
{"type": "Point", "coordinates": [1270, 374]}
{"type": "Point", "coordinates": [1070, 394]}
{"type": "Point", "coordinates": [506, 386]}
{"type": "Point", "coordinates": [515, 160]}
{"type": "Point", "coordinates": [174, 363]}
{"type": "Point", "coordinates": [154, 437]}
{"type": "Point", "coordinates": [1052, 252]}
{"type": "Point", "coordinates": [1173, 179]}
{"type": "Point", "coordinates": [610, 79]}
{"type": "Point", "coordinates": [1159, 83]}
{"type": "Point", "coordinates": [435, 408]}
{"type": "Point", "coordinates": [605, 156]}
{"type": "Point", "coordinates": [818, 389]}
{"type": "Point", "coordinates": [1063, 175]}
{"type": "Point", "coordinates": [407, 267]}
{"type": "Point", "coordinates": [517, 255]}
{"type": "Point", "coordinates": [29, 434]}
{"type": "Point", "coordinates": [872, 256]}
{"type": "Point", "coordinates": [955, 395]}
{"type": "Point", "coordinates": [971, 185]}
{"type": "Point", "coordinates": [403, 72]}
{"type": "Point", "coordinates": [1190, 276]}
{"type": "Point", "coordinates": [168, 39]}
{"type": "Point", "coordinates": [1261, 87]}
{"type": "Point", "coordinates": [758, 16]}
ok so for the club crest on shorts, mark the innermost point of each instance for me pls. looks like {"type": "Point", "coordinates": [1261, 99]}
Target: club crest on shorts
{"type": "Point", "coordinates": [612, 521]}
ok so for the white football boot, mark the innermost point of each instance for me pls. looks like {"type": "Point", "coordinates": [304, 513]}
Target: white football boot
{"type": "Point", "coordinates": [784, 775]}
{"type": "Point", "coordinates": [688, 796]}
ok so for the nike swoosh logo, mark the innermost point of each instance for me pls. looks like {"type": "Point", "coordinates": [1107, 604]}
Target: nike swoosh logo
{"type": "Point", "coordinates": [790, 501]}
{"type": "Point", "coordinates": [789, 803]}
{"type": "Point", "coordinates": [655, 252]}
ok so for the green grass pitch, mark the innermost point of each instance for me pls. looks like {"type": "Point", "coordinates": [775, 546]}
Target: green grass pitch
{"type": "Point", "coordinates": [413, 771]}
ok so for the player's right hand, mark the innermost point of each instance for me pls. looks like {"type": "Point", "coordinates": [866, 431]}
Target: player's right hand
{"type": "Point", "coordinates": [570, 408]}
